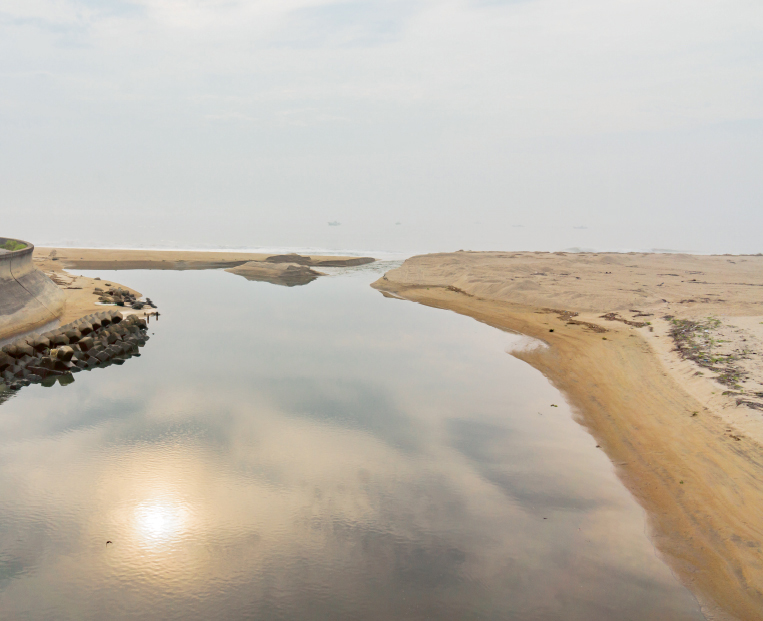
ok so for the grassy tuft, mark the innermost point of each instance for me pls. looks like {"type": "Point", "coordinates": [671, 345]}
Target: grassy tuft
{"type": "Point", "coordinates": [12, 245]}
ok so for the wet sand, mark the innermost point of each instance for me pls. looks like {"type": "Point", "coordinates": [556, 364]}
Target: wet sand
{"type": "Point", "coordinates": [694, 464]}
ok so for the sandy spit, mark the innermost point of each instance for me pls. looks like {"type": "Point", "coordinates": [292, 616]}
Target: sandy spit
{"type": "Point", "coordinates": [690, 455]}
{"type": "Point", "coordinates": [81, 300]}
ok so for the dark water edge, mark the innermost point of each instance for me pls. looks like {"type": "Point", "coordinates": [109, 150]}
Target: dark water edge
{"type": "Point", "coordinates": [317, 452]}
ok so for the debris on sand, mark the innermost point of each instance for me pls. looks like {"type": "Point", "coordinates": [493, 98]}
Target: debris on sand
{"type": "Point", "coordinates": [702, 341]}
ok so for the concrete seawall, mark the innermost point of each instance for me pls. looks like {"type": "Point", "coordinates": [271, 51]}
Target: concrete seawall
{"type": "Point", "coordinates": [28, 298]}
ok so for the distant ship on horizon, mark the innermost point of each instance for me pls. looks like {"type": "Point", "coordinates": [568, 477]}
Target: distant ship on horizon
{"type": "Point", "coordinates": [334, 223]}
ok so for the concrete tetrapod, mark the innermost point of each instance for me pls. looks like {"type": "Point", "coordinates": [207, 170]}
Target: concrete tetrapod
{"type": "Point", "coordinates": [56, 354]}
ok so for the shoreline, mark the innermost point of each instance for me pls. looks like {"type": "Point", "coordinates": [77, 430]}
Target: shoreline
{"type": "Point", "coordinates": [699, 477]}
{"type": "Point", "coordinates": [79, 290]}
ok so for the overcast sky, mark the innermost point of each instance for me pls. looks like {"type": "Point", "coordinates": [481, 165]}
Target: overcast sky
{"type": "Point", "coordinates": [507, 124]}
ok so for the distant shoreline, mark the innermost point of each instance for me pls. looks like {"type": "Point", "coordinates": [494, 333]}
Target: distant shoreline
{"type": "Point", "coordinates": [80, 290]}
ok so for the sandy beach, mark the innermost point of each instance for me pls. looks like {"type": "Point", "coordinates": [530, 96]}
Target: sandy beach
{"type": "Point", "coordinates": [684, 432]}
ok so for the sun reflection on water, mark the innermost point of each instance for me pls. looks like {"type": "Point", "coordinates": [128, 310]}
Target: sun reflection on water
{"type": "Point", "coordinates": [160, 521]}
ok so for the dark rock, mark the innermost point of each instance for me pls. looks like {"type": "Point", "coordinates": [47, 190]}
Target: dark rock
{"type": "Point", "coordinates": [350, 262]}
{"type": "Point", "coordinates": [39, 371]}
{"type": "Point", "coordinates": [290, 258]}
{"type": "Point", "coordinates": [24, 349]}
{"type": "Point", "coordinates": [86, 344]}
{"type": "Point", "coordinates": [24, 362]}
{"type": "Point", "coordinates": [59, 339]}
{"type": "Point", "coordinates": [35, 379]}
{"type": "Point", "coordinates": [41, 343]}
{"type": "Point", "coordinates": [64, 353]}
{"type": "Point", "coordinates": [66, 379]}
{"type": "Point", "coordinates": [73, 335]}
{"type": "Point", "coordinates": [5, 361]}
{"type": "Point", "coordinates": [102, 356]}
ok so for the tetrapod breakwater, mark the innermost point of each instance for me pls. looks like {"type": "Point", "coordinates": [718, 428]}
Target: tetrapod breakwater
{"type": "Point", "coordinates": [94, 341]}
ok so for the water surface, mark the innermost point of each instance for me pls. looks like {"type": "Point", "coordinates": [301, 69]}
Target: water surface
{"type": "Point", "coordinates": [317, 453]}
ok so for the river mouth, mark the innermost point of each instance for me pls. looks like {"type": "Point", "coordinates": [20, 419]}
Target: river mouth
{"type": "Point", "coordinates": [315, 452]}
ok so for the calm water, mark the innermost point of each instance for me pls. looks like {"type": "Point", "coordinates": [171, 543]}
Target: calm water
{"type": "Point", "coordinates": [317, 453]}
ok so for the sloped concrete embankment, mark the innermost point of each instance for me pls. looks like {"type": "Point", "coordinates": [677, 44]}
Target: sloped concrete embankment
{"type": "Point", "coordinates": [28, 298]}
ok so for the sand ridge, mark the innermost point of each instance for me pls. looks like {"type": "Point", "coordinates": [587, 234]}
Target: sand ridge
{"type": "Point", "coordinates": [700, 480]}
{"type": "Point", "coordinates": [81, 300]}
{"type": "Point", "coordinates": [136, 259]}
{"type": "Point", "coordinates": [598, 282]}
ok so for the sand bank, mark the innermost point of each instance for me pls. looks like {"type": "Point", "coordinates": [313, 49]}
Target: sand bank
{"type": "Point", "coordinates": [284, 274]}
{"type": "Point", "coordinates": [286, 270]}
{"type": "Point", "coordinates": [109, 259]}
{"type": "Point", "coordinates": [690, 455]}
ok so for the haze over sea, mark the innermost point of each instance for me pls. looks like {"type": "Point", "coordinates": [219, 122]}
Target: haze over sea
{"type": "Point", "coordinates": [475, 124]}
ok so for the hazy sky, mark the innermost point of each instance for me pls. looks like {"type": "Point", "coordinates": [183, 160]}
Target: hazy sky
{"type": "Point", "coordinates": [511, 124]}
